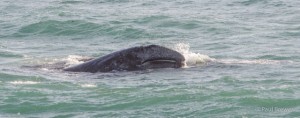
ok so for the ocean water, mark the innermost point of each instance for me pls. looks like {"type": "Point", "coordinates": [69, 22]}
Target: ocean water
{"type": "Point", "coordinates": [242, 58]}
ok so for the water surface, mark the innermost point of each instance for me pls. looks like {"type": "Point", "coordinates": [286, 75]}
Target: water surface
{"type": "Point", "coordinates": [242, 56]}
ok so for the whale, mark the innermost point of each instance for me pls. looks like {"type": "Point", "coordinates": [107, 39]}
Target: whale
{"type": "Point", "coordinates": [133, 59]}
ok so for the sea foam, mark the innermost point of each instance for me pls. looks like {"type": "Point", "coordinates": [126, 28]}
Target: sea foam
{"type": "Point", "coordinates": [23, 82]}
{"type": "Point", "coordinates": [191, 58]}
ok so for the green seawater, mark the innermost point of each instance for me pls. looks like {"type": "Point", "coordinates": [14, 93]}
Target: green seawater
{"type": "Point", "coordinates": [252, 47]}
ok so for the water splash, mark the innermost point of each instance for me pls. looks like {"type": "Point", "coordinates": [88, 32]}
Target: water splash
{"type": "Point", "coordinates": [191, 58]}
{"type": "Point", "coordinates": [75, 59]}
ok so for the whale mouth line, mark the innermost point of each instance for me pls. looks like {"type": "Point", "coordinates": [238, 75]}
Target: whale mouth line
{"type": "Point", "coordinates": [159, 61]}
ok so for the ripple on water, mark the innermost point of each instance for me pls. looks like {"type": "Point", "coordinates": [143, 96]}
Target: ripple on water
{"type": "Point", "coordinates": [9, 54]}
{"type": "Point", "coordinates": [84, 28]}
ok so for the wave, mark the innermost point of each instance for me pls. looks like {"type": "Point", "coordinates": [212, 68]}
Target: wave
{"type": "Point", "coordinates": [53, 27]}
{"type": "Point", "coordinates": [9, 54]}
{"type": "Point", "coordinates": [252, 2]}
{"type": "Point", "coordinates": [186, 25]}
{"type": "Point", "coordinates": [113, 29]}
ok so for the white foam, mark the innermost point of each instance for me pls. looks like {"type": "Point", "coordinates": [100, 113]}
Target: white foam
{"type": "Point", "coordinates": [23, 82]}
{"type": "Point", "coordinates": [191, 58]}
{"type": "Point", "coordinates": [74, 59]}
{"type": "Point", "coordinates": [45, 69]}
{"type": "Point", "coordinates": [259, 61]}
{"type": "Point", "coordinates": [88, 85]}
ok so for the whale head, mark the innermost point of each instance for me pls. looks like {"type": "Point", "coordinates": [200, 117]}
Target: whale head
{"type": "Point", "coordinates": [155, 56]}
{"type": "Point", "coordinates": [136, 58]}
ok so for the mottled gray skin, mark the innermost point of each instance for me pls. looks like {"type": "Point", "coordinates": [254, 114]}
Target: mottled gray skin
{"type": "Point", "coordinates": [135, 58]}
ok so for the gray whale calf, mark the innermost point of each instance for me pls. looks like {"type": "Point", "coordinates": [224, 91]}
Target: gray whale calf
{"type": "Point", "coordinates": [135, 58]}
